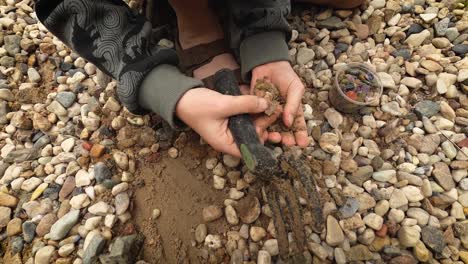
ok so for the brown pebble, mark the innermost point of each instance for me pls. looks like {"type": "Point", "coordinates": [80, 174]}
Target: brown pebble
{"type": "Point", "coordinates": [97, 151]}
{"type": "Point", "coordinates": [383, 231]}
{"type": "Point", "coordinates": [67, 187]}
{"type": "Point", "coordinates": [45, 224]}
{"type": "Point", "coordinates": [403, 260]}
{"type": "Point", "coordinates": [362, 31]}
{"type": "Point", "coordinates": [14, 227]}
{"type": "Point", "coordinates": [64, 208]}
{"type": "Point", "coordinates": [392, 228]}
{"type": "Point", "coordinates": [211, 213]}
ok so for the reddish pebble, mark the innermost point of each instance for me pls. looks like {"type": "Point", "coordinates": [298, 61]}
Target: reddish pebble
{"type": "Point", "coordinates": [86, 145]}
{"type": "Point", "coordinates": [97, 150]}
{"type": "Point", "coordinates": [128, 229]}
{"type": "Point", "coordinates": [463, 143]}
{"type": "Point", "coordinates": [392, 228]}
{"type": "Point", "coordinates": [383, 231]}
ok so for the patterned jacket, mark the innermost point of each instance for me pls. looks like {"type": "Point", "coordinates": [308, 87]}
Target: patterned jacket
{"type": "Point", "coordinates": [116, 39]}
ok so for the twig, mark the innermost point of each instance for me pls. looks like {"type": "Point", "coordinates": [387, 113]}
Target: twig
{"type": "Point", "coordinates": [453, 143]}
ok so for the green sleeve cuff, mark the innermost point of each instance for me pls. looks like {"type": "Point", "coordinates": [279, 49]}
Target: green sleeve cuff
{"type": "Point", "coordinates": [260, 49]}
{"type": "Point", "coordinates": [161, 90]}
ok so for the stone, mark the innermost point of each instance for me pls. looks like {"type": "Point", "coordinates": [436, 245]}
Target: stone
{"type": "Point", "coordinates": [361, 175]}
{"type": "Point", "coordinates": [29, 231]}
{"type": "Point", "coordinates": [257, 233]}
{"type": "Point", "coordinates": [14, 227]}
{"type": "Point", "coordinates": [121, 159]}
{"type": "Point", "coordinates": [33, 75]}
{"type": "Point", "coordinates": [433, 238]}
{"type": "Point", "coordinates": [45, 224]}
{"type": "Point", "coordinates": [411, 82]}
{"type": "Point", "coordinates": [426, 108]}
{"type": "Point", "coordinates": [421, 252]}
{"type": "Point", "coordinates": [428, 17]}
{"type": "Point", "coordinates": [305, 55]}
{"type": "Point", "coordinates": [66, 99]}
{"type": "Point", "coordinates": [412, 193]}
{"type": "Point", "coordinates": [441, 26]}
{"type": "Point", "coordinates": [460, 49]}
{"type": "Point", "coordinates": [231, 161]}
{"type": "Point", "coordinates": [415, 40]}
{"type": "Point", "coordinates": [350, 207]}
{"type": "Point", "coordinates": [334, 118]}
{"type": "Point", "coordinates": [100, 208]}
{"type": "Point", "coordinates": [271, 245]}
{"type": "Point", "coordinates": [61, 228]}
{"type": "Point", "coordinates": [95, 247]}
{"type": "Point", "coordinates": [44, 255]}
{"type": "Point", "coordinates": [334, 235]}
{"type": "Point", "coordinates": [398, 199]}
{"type": "Point", "coordinates": [200, 233]}
{"type": "Point", "coordinates": [377, 4]}
{"type": "Point", "coordinates": [449, 150]}
{"type": "Point", "coordinates": [331, 23]}
{"type": "Point", "coordinates": [419, 214]}
{"type": "Point", "coordinates": [384, 176]}
{"type": "Point", "coordinates": [328, 142]}
{"type": "Point", "coordinates": [122, 203]}
{"type": "Point", "coordinates": [439, 43]}
{"type": "Point", "coordinates": [5, 214]}
{"type": "Point", "coordinates": [66, 250]}
{"type": "Point", "coordinates": [231, 215]}
{"type": "Point", "coordinates": [387, 80]}
{"type": "Point", "coordinates": [102, 172]}
{"type": "Point", "coordinates": [373, 221]}
{"type": "Point", "coordinates": [359, 253]}
{"type": "Point", "coordinates": [12, 44]}
{"type": "Point", "coordinates": [408, 236]}
{"type": "Point", "coordinates": [82, 178]}
{"type": "Point", "coordinates": [8, 200]}
{"type": "Point", "coordinates": [211, 213]}
{"type": "Point", "coordinates": [263, 257]}
{"type": "Point", "coordinates": [442, 174]}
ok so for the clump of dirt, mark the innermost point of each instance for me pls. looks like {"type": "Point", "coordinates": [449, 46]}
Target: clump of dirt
{"type": "Point", "coordinates": [265, 89]}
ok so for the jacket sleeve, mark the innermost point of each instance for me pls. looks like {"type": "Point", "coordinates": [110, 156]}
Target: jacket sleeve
{"type": "Point", "coordinates": [261, 30]}
{"type": "Point", "coordinates": [116, 39]}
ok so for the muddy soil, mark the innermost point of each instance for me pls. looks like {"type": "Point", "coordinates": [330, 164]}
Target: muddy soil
{"type": "Point", "coordinates": [180, 188]}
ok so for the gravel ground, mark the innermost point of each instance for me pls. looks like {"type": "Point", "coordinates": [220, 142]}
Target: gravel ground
{"type": "Point", "coordinates": [394, 175]}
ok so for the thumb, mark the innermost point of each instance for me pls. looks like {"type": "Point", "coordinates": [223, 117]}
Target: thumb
{"type": "Point", "coordinates": [234, 105]}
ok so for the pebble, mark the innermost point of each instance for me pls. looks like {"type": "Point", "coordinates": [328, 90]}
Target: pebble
{"type": "Point", "coordinates": [200, 233]}
{"type": "Point", "coordinates": [334, 235]}
{"type": "Point", "coordinates": [373, 221]}
{"type": "Point", "coordinates": [100, 208]}
{"type": "Point", "coordinates": [408, 236]}
{"type": "Point", "coordinates": [257, 233]}
{"type": "Point", "coordinates": [44, 255]}
{"type": "Point", "coordinates": [211, 213]}
{"type": "Point", "coordinates": [334, 118]}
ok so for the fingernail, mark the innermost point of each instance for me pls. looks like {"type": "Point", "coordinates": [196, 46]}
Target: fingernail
{"type": "Point", "coordinates": [263, 104]}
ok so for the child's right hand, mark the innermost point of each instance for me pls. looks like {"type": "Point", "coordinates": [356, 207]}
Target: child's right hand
{"type": "Point", "coordinates": [208, 112]}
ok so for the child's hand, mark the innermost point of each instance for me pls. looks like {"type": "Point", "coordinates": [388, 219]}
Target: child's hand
{"type": "Point", "coordinates": [282, 75]}
{"type": "Point", "coordinates": [208, 112]}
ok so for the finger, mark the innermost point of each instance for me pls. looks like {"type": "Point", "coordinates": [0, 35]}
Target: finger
{"type": "Point", "coordinates": [287, 139]}
{"type": "Point", "coordinates": [274, 137]}
{"type": "Point", "coordinates": [228, 146]}
{"type": "Point", "coordinates": [300, 127]}
{"type": "Point", "coordinates": [264, 137]}
{"type": "Point", "coordinates": [265, 121]}
{"type": "Point", "coordinates": [293, 101]}
{"type": "Point", "coordinates": [245, 89]}
{"type": "Point", "coordinates": [234, 105]}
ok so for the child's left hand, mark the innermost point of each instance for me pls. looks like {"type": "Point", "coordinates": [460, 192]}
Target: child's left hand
{"type": "Point", "coordinates": [282, 75]}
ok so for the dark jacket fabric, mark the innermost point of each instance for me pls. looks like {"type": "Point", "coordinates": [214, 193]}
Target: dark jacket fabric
{"type": "Point", "coordinates": [117, 40]}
